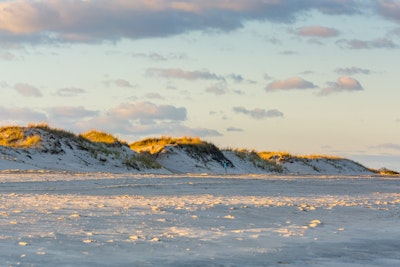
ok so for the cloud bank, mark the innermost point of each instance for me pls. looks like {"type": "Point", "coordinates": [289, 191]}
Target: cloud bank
{"type": "Point", "coordinates": [47, 21]}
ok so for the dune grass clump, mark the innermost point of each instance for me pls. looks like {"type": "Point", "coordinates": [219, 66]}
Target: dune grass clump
{"type": "Point", "coordinates": [16, 137]}
{"type": "Point", "coordinates": [194, 147]}
{"type": "Point", "coordinates": [55, 131]}
{"type": "Point", "coordinates": [143, 159]}
{"type": "Point", "coordinates": [100, 137]}
{"type": "Point", "coordinates": [257, 160]}
{"type": "Point", "coordinates": [386, 171]}
{"type": "Point", "coordinates": [156, 145]}
{"type": "Point", "coordinates": [283, 155]}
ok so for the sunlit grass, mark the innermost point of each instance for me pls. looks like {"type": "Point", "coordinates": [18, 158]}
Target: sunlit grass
{"type": "Point", "coordinates": [156, 145]}
{"type": "Point", "coordinates": [257, 160]}
{"type": "Point", "coordinates": [104, 146]}
{"type": "Point", "coordinates": [283, 155]}
{"type": "Point", "coordinates": [57, 132]}
{"type": "Point", "coordinates": [100, 137]}
{"type": "Point", "coordinates": [16, 137]}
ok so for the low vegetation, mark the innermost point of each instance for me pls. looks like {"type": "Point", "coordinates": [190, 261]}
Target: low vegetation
{"type": "Point", "coordinates": [144, 160]}
{"type": "Point", "coordinates": [101, 137]}
{"type": "Point", "coordinates": [385, 171]}
{"type": "Point", "coordinates": [102, 146]}
{"type": "Point", "coordinates": [106, 147]}
{"type": "Point", "coordinates": [156, 145]}
{"type": "Point", "coordinates": [60, 133]}
{"type": "Point", "coordinates": [17, 137]}
{"type": "Point", "coordinates": [257, 160]}
{"type": "Point", "coordinates": [194, 147]}
{"type": "Point", "coordinates": [283, 156]}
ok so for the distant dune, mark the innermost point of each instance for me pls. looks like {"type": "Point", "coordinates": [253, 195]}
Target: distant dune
{"type": "Point", "coordinates": [40, 147]}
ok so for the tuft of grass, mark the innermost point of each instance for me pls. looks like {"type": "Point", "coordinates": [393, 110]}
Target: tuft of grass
{"type": "Point", "coordinates": [283, 155]}
{"type": "Point", "coordinates": [194, 147]}
{"type": "Point", "coordinates": [385, 171]}
{"type": "Point", "coordinates": [16, 137]}
{"type": "Point", "coordinates": [156, 145]}
{"type": "Point", "coordinates": [55, 131]}
{"type": "Point", "coordinates": [257, 160]}
{"type": "Point", "coordinates": [100, 137]}
{"type": "Point", "coordinates": [143, 159]}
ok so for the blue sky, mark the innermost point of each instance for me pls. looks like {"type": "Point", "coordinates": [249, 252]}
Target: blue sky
{"type": "Point", "coordinates": [305, 76]}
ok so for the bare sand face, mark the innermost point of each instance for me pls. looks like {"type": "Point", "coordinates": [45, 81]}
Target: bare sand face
{"type": "Point", "coordinates": [97, 219]}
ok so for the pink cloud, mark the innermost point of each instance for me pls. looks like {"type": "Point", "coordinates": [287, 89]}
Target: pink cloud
{"type": "Point", "coordinates": [316, 31]}
{"type": "Point", "coordinates": [343, 84]}
{"type": "Point", "coordinates": [289, 84]}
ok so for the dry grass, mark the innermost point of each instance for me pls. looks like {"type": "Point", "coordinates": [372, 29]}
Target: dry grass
{"type": "Point", "coordinates": [385, 171]}
{"type": "Point", "coordinates": [156, 145]}
{"type": "Point", "coordinates": [57, 132]}
{"type": "Point", "coordinates": [257, 160]}
{"type": "Point", "coordinates": [283, 155]}
{"type": "Point", "coordinates": [14, 136]}
{"type": "Point", "coordinates": [100, 137]}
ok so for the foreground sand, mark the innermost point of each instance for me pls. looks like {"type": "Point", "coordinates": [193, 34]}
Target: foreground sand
{"type": "Point", "coordinates": [97, 219]}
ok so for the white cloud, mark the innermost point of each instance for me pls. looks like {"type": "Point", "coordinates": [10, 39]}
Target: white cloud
{"type": "Point", "coordinates": [379, 43]}
{"type": "Point", "coordinates": [160, 57]}
{"type": "Point", "coordinates": [390, 146]}
{"type": "Point", "coordinates": [7, 56]}
{"type": "Point", "coordinates": [217, 89]}
{"type": "Point", "coordinates": [119, 83]}
{"type": "Point", "coordinates": [136, 129]}
{"type": "Point", "coordinates": [352, 71]}
{"type": "Point", "coordinates": [72, 91]}
{"type": "Point", "coordinates": [343, 84]}
{"type": "Point", "coordinates": [24, 115]}
{"type": "Point", "coordinates": [123, 83]}
{"type": "Point", "coordinates": [70, 112]}
{"type": "Point", "coordinates": [154, 96]}
{"type": "Point", "coordinates": [289, 84]}
{"type": "Point", "coordinates": [148, 111]}
{"type": "Point", "coordinates": [27, 90]}
{"type": "Point", "coordinates": [234, 129]}
{"type": "Point", "coordinates": [171, 129]}
{"type": "Point", "coordinates": [236, 77]}
{"type": "Point", "coordinates": [185, 75]}
{"type": "Point", "coordinates": [259, 113]}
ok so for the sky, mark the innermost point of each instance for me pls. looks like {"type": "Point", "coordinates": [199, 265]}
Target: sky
{"type": "Point", "coordinates": [302, 76]}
